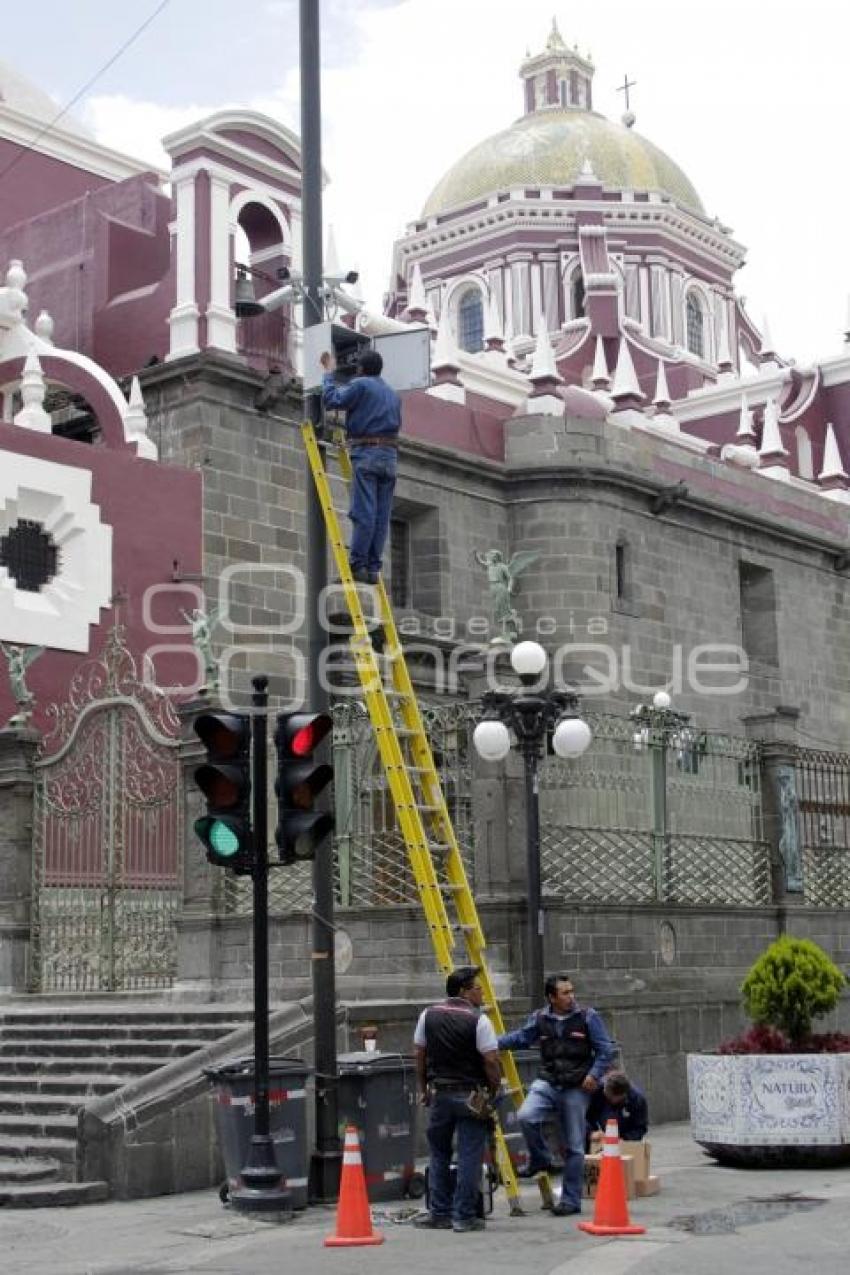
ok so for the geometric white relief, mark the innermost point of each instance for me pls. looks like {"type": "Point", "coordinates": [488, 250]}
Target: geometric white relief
{"type": "Point", "coordinates": [57, 498]}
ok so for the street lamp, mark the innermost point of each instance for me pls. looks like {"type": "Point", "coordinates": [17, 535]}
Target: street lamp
{"type": "Point", "coordinates": [532, 714]}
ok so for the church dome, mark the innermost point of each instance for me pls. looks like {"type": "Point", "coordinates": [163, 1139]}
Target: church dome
{"type": "Point", "coordinates": [550, 147]}
{"type": "Point", "coordinates": [24, 97]}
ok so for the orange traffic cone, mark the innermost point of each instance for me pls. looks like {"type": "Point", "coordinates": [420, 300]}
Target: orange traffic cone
{"type": "Point", "coordinates": [611, 1215]}
{"type": "Point", "coordinates": [353, 1215]}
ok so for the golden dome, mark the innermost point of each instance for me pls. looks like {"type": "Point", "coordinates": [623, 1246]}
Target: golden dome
{"type": "Point", "coordinates": [550, 148]}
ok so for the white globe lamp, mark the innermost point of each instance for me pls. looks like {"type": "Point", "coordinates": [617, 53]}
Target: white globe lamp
{"type": "Point", "coordinates": [528, 659]}
{"type": "Point", "coordinates": [661, 700]}
{"type": "Point", "coordinates": [572, 737]}
{"type": "Point", "coordinates": [492, 740]}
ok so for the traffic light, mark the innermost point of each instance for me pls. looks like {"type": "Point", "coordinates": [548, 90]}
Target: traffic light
{"type": "Point", "coordinates": [225, 781]}
{"type": "Point", "coordinates": [300, 779]}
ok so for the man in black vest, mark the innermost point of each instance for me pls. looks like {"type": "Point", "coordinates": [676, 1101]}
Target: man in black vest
{"type": "Point", "coordinates": [457, 1060]}
{"type": "Point", "coordinates": [575, 1053]}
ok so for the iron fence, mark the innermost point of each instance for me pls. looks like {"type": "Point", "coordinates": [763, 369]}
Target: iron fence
{"type": "Point", "coordinates": [822, 784]}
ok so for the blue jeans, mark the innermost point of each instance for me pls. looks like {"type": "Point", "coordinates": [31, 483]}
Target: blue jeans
{"type": "Point", "coordinates": [449, 1113]}
{"type": "Point", "coordinates": [372, 489]}
{"type": "Point", "coordinates": [569, 1106]}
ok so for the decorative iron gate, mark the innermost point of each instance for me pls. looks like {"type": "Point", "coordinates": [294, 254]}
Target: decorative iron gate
{"type": "Point", "coordinates": [107, 834]}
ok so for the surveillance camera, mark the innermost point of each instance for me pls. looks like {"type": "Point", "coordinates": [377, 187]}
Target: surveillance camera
{"type": "Point", "coordinates": [335, 279]}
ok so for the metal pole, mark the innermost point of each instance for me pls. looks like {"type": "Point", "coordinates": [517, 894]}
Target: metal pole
{"type": "Point", "coordinates": [530, 749]}
{"type": "Point", "coordinates": [261, 1188]}
{"type": "Point", "coordinates": [658, 756]}
{"type": "Point", "coordinates": [326, 1160]}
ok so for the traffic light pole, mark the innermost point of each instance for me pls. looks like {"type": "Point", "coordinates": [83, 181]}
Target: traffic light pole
{"type": "Point", "coordinates": [261, 1188]}
{"type": "Point", "coordinates": [326, 1163]}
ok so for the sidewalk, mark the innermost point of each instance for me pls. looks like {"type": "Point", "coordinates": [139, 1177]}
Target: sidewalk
{"type": "Point", "coordinates": [195, 1233]}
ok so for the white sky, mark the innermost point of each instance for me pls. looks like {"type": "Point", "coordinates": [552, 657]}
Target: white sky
{"type": "Point", "coordinates": [750, 101]}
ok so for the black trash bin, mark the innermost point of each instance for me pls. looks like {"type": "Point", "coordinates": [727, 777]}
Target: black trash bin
{"type": "Point", "coordinates": [377, 1093]}
{"type": "Point", "coordinates": [234, 1119]}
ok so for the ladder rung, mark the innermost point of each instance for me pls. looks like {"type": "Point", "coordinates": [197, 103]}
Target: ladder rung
{"type": "Point", "coordinates": [452, 887]}
{"type": "Point", "coordinates": [428, 810]}
{"type": "Point", "coordinates": [439, 847]}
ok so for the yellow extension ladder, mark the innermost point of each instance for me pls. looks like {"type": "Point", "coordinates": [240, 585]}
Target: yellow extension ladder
{"type": "Point", "coordinates": [414, 783]}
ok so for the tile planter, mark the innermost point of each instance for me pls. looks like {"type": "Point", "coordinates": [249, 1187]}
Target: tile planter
{"type": "Point", "coordinates": [771, 1109]}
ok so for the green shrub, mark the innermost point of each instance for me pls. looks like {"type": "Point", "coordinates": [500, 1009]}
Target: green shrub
{"type": "Point", "coordinates": [791, 983]}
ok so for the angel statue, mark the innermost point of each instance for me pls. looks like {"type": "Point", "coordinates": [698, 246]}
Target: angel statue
{"type": "Point", "coordinates": [18, 659]}
{"type": "Point", "coordinates": [502, 577]}
{"type": "Point", "coordinates": [202, 624]}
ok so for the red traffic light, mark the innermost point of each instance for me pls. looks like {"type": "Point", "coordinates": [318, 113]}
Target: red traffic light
{"type": "Point", "coordinates": [299, 734]}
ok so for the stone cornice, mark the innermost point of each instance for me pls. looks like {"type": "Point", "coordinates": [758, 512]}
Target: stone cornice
{"type": "Point", "coordinates": [726, 395]}
{"type": "Point", "coordinates": [665, 216]}
{"type": "Point", "coordinates": [74, 149]}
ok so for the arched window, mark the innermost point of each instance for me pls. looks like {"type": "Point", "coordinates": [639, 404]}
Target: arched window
{"type": "Point", "coordinates": [577, 296]}
{"type": "Point", "coordinates": [470, 322]}
{"type": "Point", "coordinates": [695, 325]}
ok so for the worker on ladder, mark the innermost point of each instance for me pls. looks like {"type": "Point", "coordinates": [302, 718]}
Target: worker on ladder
{"type": "Point", "coordinates": [372, 425]}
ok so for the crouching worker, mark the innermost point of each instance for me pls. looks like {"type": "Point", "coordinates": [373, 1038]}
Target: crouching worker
{"type": "Point", "coordinates": [619, 1100]}
{"type": "Point", "coordinates": [458, 1077]}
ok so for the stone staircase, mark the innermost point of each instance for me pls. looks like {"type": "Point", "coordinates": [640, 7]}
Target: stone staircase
{"type": "Point", "coordinates": [54, 1059]}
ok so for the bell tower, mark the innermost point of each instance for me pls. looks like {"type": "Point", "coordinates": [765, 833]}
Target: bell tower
{"type": "Point", "coordinates": [558, 78]}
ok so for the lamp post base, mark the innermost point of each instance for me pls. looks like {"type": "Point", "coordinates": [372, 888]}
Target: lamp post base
{"type": "Point", "coordinates": [261, 1189]}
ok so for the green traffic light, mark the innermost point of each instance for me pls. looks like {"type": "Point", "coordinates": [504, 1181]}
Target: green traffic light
{"type": "Point", "coordinates": [223, 840]}
{"type": "Point", "coordinates": [218, 836]}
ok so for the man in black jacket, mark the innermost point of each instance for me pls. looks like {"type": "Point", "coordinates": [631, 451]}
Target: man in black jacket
{"type": "Point", "coordinates": [575, 1053]}
{"type": "Point", "coordinates": [619, 1100]}
{"type": "Point", "coordinates": [457, 1056]}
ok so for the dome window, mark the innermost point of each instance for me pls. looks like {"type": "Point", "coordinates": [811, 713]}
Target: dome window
{"type": "Point", "coordinates": [470, 322]}
{"type": "Point", "coordinates": [695, 322]}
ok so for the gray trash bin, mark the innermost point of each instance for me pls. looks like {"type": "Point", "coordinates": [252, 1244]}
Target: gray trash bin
{"type": "Point", "coordinates": [234, 1119]}
{"type": "Point", "coordinates": [377, 1093]}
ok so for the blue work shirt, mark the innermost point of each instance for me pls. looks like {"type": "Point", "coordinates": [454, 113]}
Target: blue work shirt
{"type": "Point", "coordinates": [372, 407]}
{"type": "Point", "coordinates": [529, 1034]}
{"type": "Point", "coordinates": [632, 1116]}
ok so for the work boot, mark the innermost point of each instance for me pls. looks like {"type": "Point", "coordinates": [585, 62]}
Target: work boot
{"type": "Point", "coordinates": [432, 1222]}
{"type": "Point", "coordinates": [531, 1170]}
{"type": "Point", "coordinates": [469, 1224]}
{"type": "Point", "coordinates": [564, 1209]}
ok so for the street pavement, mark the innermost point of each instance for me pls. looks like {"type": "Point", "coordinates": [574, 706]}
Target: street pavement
{"type": "Point", "coordinates": [705, 1220]}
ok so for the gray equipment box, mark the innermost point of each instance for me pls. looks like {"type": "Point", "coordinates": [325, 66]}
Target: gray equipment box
{"type": "Point", "coordinates": [234, 1120]}
{"type": "Point", "coordinates": [377, 1093]}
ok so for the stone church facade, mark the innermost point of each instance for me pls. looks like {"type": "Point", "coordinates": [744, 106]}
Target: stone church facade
{"type": "Point", "coordinates": [600, 399]}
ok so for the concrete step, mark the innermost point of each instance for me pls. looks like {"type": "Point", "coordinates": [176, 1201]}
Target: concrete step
{"type": "Point", "coordinates": [159, 1051]}
{"type": "Point", "coordinates": [28, 1169]}
{"type": "Point", "coordinates": [45, 1125]}
{"type": "Point", "coordinates": [69, 1082]}
{"type": "Point", "coordinates": [125, 1069]}
{"type": "Point", "coordinates": [52, 1194]}
{"type": "Point", "coordinates": [14, 1145]}
{"type": "Point", "coordinates": [40, 1104]}
{"type": "Point", "coordinates": [106, 1014]}
{"type": "Point", "coordinates": [124, 1032]}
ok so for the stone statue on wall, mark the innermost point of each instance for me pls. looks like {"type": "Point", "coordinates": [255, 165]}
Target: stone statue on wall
{"type": "Point", "coordinates": [789, 830]}
{"type": "Point", "coordinates": [202, 624]}
{"type": "Point", "coordinates": [18, 660]}
{"type": "Point", "coordinates": [502, 577]}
